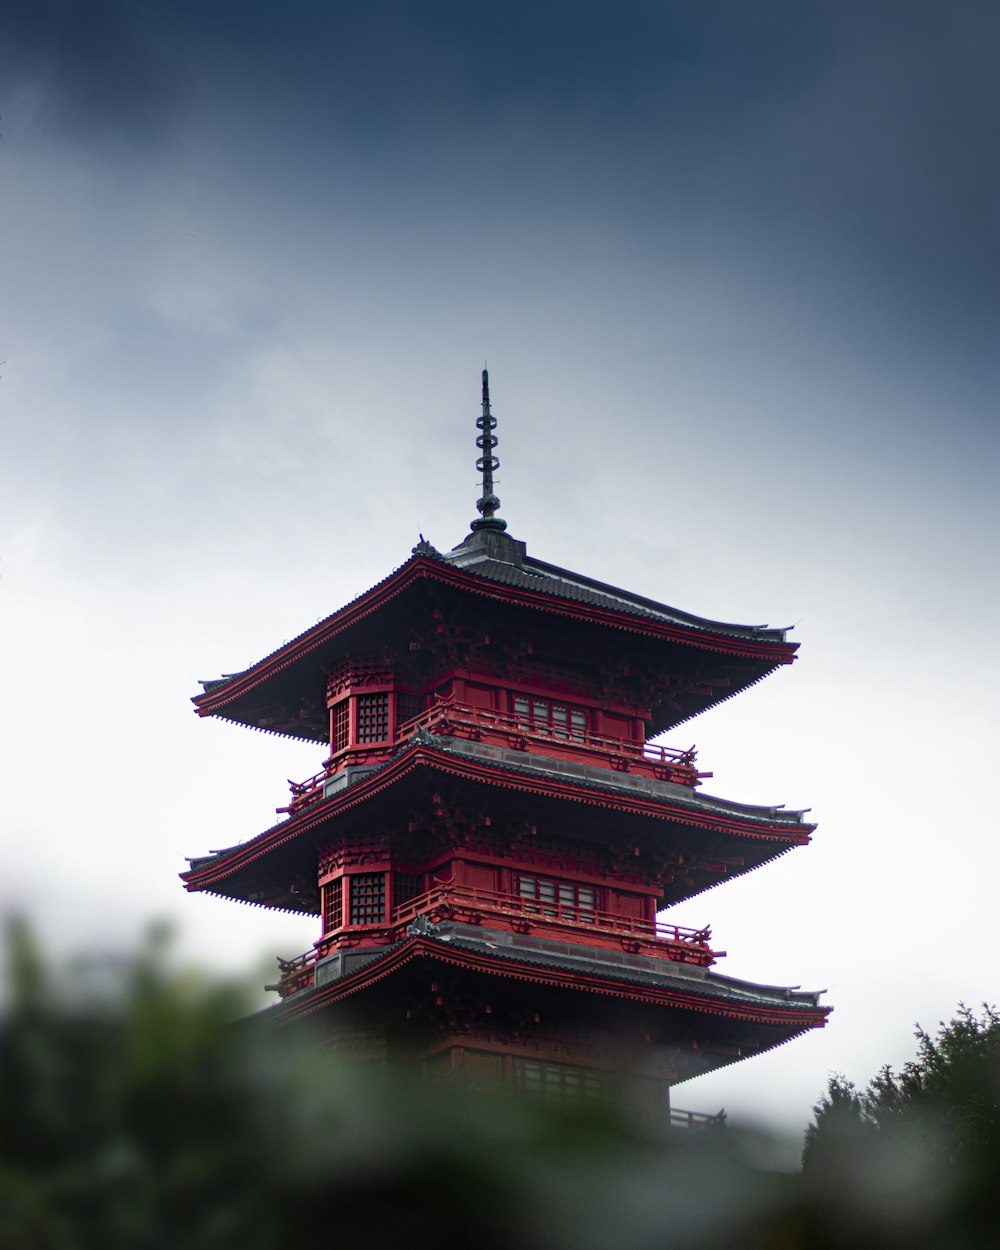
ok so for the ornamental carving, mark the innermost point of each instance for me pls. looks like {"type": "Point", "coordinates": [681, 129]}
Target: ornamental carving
{"type": "Point", "coordinates": [338, 856]}
{"type": "Point", "coordinates": [360, 671]}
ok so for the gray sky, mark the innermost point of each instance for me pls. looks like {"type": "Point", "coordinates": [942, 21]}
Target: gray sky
{"type": "Point", "coordinates": [735, 270]}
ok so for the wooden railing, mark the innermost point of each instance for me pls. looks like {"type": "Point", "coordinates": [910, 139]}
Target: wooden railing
{"type": "Point", "coordinates": [561, 921]}
{"type": "Point", "coordinates": [695, 1119]}
{"type": "Point", "coordinates": [305, 793]}
{"type": "Point", "coordinates": [465, 720]}
{"type": "Point", "coordinates": [462, 720]}
{"type": "Point", "coordinates": [537, 913]}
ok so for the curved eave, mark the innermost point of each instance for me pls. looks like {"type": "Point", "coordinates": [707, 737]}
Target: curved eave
{"type": "Point", "coordinates": [796, 1018]}
{"type": "Point", "coordinates": [214, 700]}
{"type": "Point", "coordinates": [239, 858]}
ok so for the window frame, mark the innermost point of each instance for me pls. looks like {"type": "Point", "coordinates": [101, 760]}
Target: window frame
{"type": "Point", "coordinates": [565, 722]}
{"type": "Point", "coordinates": [361, 908]}
{"type": "Point", "coordinates": [558, 1082]}
{"type": "Point", "coordinates": [333, 905]}
{"type": "Point", "coordinates": [340, 726]}
{"type": "Point", "coordinates": [557, 899]}
{"type": "Point", "coordinates": [382, 717]}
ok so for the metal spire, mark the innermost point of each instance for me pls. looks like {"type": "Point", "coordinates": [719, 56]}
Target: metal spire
{"type": "Point", "coordinates": [487, 464]}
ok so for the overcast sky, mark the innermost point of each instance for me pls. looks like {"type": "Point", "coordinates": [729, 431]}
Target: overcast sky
{"type": "Point", "coordinates": [735, 269]}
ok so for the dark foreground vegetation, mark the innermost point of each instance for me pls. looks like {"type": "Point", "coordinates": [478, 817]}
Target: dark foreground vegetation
{"type": "Point", "coordinates": [132, 1114]}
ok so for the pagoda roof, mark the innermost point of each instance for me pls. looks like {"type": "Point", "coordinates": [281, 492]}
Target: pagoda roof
{"type": "Point", "coordinates": [789, 1010]}
{"type": "Point", "coordinates": [494, 566]}
{"type": "Point", "coordinates": [666, 792]}
{"type": "Point", "coordinates": [761, 833]}
{"type": "Point", "coordinates": [499, 558]}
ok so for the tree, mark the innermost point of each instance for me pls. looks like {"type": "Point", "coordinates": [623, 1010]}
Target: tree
{"type": "Point", "coordinates": [841, 1118]}
{"type": "Point", "coordinates": [950, 1090]}
{"type": "Point", "coordinates": [136, 1115]}
{"type": "Point", "coordinates": [922, 1142]}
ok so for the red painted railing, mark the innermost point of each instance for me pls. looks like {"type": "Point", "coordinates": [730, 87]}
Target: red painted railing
{"type": "Point", "coordinates": [583, 925]}
{"type": "Point", "coordinates": [305, 793]}
{"type": "Point", "coordinates": [538, 913]}
{"type": "Point", "coordinates": [462, 720]}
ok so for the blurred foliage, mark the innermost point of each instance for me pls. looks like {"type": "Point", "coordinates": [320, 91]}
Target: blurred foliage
{"type": "Point", "coordinates": [919, 1147]}
{"type": "Point", "coordinates": [135, 1113]}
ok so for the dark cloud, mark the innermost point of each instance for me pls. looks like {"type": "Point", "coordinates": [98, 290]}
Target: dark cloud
{"type": "Point", "coordinates": [95, 69]}
{"type": "Point", "coordinates": [843, 148]}
{"type": "Point", "coordinates": [396, 67]}
{"type": "Point", "coordinates": [816, 138]}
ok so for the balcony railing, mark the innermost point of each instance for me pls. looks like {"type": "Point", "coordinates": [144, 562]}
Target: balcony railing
{"type": "Point", "coordinates": [306, 793]}
{"type": "Point", "coordinates": [475, 724]}
{"type": "Point", "coordinates": [560, 921]}
{"type": "Point", "coordinates": [696, 1119]}
{"type": "Point", "coordinates": [521, 733]}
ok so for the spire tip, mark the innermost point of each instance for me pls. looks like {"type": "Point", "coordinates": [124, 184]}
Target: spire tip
{"type": "Point", "coordinates": [487, 464]}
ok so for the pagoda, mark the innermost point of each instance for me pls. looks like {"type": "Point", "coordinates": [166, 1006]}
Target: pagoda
{"type": "Point", "coordinates": [492, 843]}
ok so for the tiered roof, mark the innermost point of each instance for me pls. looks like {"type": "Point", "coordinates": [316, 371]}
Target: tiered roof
{"type": "Point", "coordinates": [744, 835]}
{"type": "Point", "coordinates": [488, 566]}
{"type": "Point", "coordinates": [766, 1016]}
{"type": "Point", "coordinates": [679, 836]}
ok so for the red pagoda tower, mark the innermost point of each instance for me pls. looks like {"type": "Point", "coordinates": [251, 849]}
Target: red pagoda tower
{"type": "Point", "coordinates": [492, 838]}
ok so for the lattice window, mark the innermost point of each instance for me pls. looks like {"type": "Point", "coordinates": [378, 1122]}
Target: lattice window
{"type": "Point", "coordinates": [558, 719]}
{"type": "Point", "coordinates": [333, 905]}
{"type": "Point", "coordinates": [368, 898]}
{"type": "Point", "coordinates": [341, 726]}
{"type": "Point", "coordinates": [406, 885]}
{"type": "Point", "coordinates": [558, 1081]}
{"type": "Point", "coordinates": [373, 717]}
{"type": "Point", "coordinates": [560, 900]}
{"type": "Point", "coordinates": [408, 706]}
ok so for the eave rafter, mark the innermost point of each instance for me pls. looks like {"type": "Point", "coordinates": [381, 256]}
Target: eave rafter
{"type": "Point", "coordinates": [782, 837]}
{"type": "Point", "coordinates": [796, 1018]}
{"type": "Point", "coordinates": [212, 702]}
